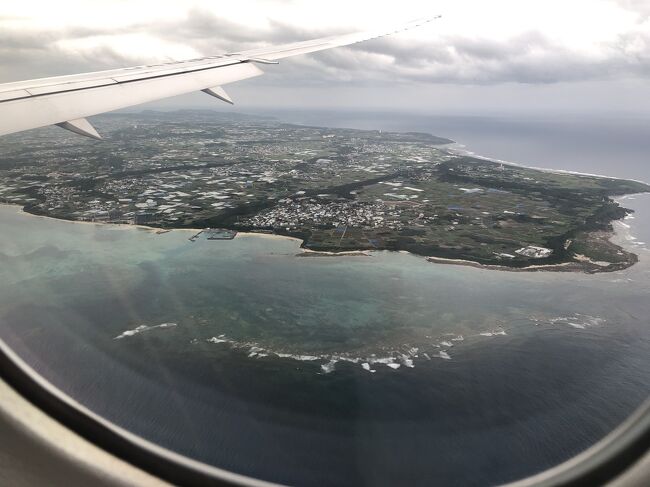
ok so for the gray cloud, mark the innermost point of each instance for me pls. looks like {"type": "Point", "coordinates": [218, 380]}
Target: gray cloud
{"type": "Point", "coordinates": [29, 53]}
{"type": "Point", "coordinates": [528, 58]}
{"type": "Point", "coordinates": [641, 7]}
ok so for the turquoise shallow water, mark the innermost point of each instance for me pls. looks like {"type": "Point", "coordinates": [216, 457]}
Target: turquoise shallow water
{"type": "Point", "coordinates": [256, 290]}
{"type": "Point", "coordinates": [326, 370]}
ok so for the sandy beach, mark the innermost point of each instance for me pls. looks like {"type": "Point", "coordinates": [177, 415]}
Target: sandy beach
{"type": "Point", "coordinates": [347, 253]}
{"type": "Point", "coordinates": [620, 236]}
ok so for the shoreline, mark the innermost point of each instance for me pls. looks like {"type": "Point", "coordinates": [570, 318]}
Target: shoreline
{"type": "Point", "coordinates": [324, 253]}
{"type": "Point", "coordinates": [573, 266]}
{"type": "Point", "coordinates": [155, 230]}
{"type": "Point", "coordinates": [461, 151]}
{"type": "Point", "coordinates": [577, 266]}
{"type": "Point", "coordinates": [618, 236]}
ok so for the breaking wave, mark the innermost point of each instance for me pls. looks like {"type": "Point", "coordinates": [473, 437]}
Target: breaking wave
{"type": "Point", "coordinates": [493, 333]}
{"type": "Point", "coordinates": [577, 320]}
{"type": "Point", "coordinates": [402, 357]}
{"type": "Point", "coordinates": [142, 328]}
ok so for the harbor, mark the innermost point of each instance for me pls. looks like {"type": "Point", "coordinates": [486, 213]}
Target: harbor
{"type": "Point", "coordinates": [214, 234]}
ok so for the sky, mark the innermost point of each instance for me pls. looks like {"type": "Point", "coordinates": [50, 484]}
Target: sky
{"type": "Point", "coordinates": [482, 57]}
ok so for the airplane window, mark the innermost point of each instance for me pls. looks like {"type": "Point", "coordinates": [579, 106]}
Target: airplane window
{"type": "Point", "coordinates": [342, 295]}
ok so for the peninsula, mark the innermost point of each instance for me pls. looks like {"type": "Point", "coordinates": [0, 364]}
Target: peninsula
{"type": "Point", "coordinates": [338, 190]}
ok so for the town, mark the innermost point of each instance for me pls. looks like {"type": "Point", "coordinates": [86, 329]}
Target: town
{"type": "Point", "coordinates": [336, 189]}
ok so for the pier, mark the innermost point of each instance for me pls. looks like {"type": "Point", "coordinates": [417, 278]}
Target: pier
{"type": "Point", "coordinates": [194, 238]}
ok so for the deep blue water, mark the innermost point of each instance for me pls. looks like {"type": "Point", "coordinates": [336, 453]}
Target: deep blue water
{"type": "Point", "coordinates": [503, 407]}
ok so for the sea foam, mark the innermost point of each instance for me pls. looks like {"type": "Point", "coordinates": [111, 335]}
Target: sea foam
{"type": "Point", "coordinates": [404, 356]}
{"type": "Point", "coordinates": [142, 328]}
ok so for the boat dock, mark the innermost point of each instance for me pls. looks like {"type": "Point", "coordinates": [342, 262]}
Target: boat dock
{"type": "Point", "coordinates": [220, 234]}
{"type": "Point", "coordinates": [215, 234]}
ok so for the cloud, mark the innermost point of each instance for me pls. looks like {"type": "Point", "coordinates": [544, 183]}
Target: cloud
{"type": "Point", "coordinates": [531, 56]}
{"type": "Point", "coordinates": [641, 7]}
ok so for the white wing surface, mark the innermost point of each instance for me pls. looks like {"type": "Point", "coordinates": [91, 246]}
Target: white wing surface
{"type": "Point", "coordinates": [67, 100]}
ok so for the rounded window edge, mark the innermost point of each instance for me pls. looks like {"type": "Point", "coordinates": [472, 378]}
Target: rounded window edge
{"type": "Point", "coordinates": [601, 463]}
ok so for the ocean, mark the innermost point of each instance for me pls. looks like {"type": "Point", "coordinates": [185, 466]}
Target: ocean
{"type": "Point", "coordinates": [377, 370]}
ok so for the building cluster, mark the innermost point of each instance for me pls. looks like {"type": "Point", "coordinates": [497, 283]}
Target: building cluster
{"type": "Point", "coordinates": [290, 215]}
{"type": "Point", "coordinates": [172, 173]}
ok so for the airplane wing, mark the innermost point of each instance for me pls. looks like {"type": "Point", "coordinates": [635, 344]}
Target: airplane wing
{"type": "Point", "coordinates": [66, 100]}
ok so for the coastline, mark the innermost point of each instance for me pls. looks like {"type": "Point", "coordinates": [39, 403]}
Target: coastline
{"type": "Point", "coordinates": [618, 236]}
{"type": "Point", "coordinates": [624, 236]}
{"type": "Point", "coordinates": [155, 230]}
{"type": "Point", "coordinates": [563, 267]}
{"type": "Point", "coordinates": [325, 253]}
{"type": "Point", "coordinates": [578, 266]}
{"type": "Point", "coordinates": [21, 209]}
{"type": "Point", "coordinates": [459, 149]}
{"type": "Point", "coordinates": [273, 236]}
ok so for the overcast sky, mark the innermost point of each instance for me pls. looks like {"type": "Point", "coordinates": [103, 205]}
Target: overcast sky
{"type": "Point", "coordinates": [482, 56]}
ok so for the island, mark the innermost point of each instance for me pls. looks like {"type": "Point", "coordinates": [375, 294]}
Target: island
{"type": "Point", "coordinates": [340, 191]}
